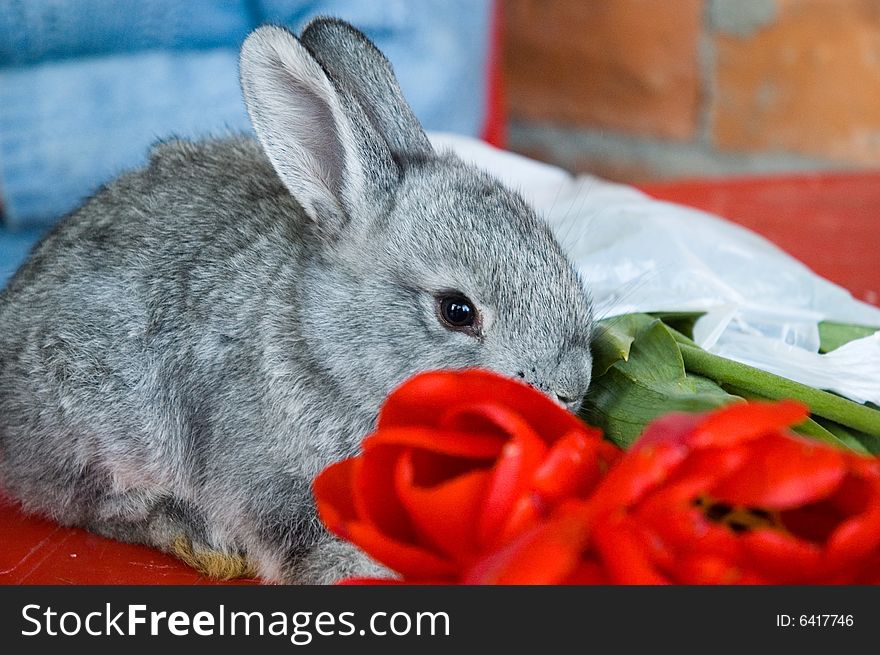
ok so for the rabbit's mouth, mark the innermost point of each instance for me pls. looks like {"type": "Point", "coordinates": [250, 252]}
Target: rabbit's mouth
{"type": "Point", "coordinates": [564, 399]}
{"type": "Point", "coordinates": [571, 404]}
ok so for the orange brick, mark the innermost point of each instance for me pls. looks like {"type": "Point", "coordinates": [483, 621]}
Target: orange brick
{"type": "Point", "coordinates": [808, 83]}
{"type": "Point", "coordinates": [629, 65]}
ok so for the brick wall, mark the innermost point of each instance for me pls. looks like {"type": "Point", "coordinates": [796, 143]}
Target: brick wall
{"type": "Point", "coordinates": [648, 89]}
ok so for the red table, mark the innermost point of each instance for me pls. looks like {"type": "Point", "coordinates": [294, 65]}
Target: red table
{"type": "Point", "coordinates": [830, 222]}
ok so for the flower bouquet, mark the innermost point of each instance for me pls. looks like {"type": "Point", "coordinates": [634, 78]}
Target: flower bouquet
{"type": "Point", "coordinates": [471, 478]}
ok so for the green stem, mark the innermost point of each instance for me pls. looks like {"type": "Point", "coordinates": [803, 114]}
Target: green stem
{"type": "Point", "coordinates": [822, 403]}
{"type": "Point", "coordinates": [681, 338]}
{"type": "Point", "coordinates": [850, 436]}
{"type": "Point", "coordinates": [808, 428]}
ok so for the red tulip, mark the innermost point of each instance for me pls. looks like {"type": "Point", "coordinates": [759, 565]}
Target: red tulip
{"type": "Point", "coordinates": [726, 497]}
{"type": "Point", "coordinates": [461, 462]}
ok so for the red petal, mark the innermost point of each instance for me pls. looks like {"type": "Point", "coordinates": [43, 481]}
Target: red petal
{"type": "Point", "coordinates": [448, 442]}
{"type": "Point", "coordinates": [673, 429]}
{"type": "Point", "coordinates": [687, 531]}
{"type": "Point", "coordinates": [869, 573]}
{"type": "Point", "coordinates": [864, 466]}
{"type": "Point", "coordinates": [410, 561]}
{"type": "Point", "coordinates": [623, 553]}
{"type": "Point", "coordinates": [858, 499]}
{"type": "Point", "coordinates": [526, 512]}
{"type": "Point", "coordinates": [572, 467]}
{"type": "Point", "coordinates": [782, 473]}
{"type": "Point", "coordinates": [781, 558]}
{"type": "Point", "coordinates": [487, 417]}
{"type": "Point", "coordinates": [445, 514]}
{"type": "Point", "coordinates": [510, 480]}
{"type": "Point", "coordinates": [375, 496]}
{"type": "Point", "coordinates": [547, 554]}
{"type": "Point", "coordinates": [635, 474]}
{"type": "Point", "coordinates": [332, 489]}
{"type": "Point", "coordinates": [745, 421]}
{"type": "Point", "coordinates": [706, 569]}
{"type": "Point", "coordinates": [703, 468]}
{"type": "Point", "coordinates": [815, 522]}
{"type": "Point", "coordinates": [587, 573]}
{"type": "Point", "coordinates": [424, 399]}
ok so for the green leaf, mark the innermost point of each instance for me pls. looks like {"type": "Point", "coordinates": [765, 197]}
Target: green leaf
{"type": "Point", "coordinates": [682, 322]}
{"type": "Point", "coordinates": [650, 381]}
{"type": "Point", "coordinates": [613, 338]}
{"type": "Point", "coordinates": [834, 335]}
{"type": "Point", "coordinates": [644, 368]}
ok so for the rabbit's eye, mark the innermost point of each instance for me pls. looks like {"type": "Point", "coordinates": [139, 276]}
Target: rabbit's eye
{"type": "Point", "coordinates": [457, 312]}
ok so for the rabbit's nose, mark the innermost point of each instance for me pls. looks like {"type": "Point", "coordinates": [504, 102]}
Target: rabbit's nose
{"type": "Point", "coordinates": [571, 379]}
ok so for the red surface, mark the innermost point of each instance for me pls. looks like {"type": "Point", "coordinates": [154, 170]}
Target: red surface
{"type": "Point", "coordinates": [37, 551]}
{"type": "Point", "coordinates": [829, 222]}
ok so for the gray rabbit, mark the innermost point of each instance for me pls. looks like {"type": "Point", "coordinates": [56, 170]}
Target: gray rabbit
{"type": "Point", "coordinates": [184, 353]}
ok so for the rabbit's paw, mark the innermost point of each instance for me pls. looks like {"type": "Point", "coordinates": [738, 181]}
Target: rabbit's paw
{"type": "Point", "coordinates": [334, 560]}
{"type": "Point", "coordinates": [212, 563]}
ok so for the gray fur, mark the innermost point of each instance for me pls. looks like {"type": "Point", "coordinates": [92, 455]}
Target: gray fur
{"type": "Point", "coordinates": [187, 350]}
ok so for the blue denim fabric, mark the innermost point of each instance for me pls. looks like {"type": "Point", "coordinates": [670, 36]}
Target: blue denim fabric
{"type": "Point", "coordinates": [35, 31]}
{"type": "Point", "coordinates": [86, 86]}
{"type": "Point", "coordinates": [71, 125]}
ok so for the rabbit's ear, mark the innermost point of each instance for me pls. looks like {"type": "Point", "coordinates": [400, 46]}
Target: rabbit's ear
{"type": "Point", "coordinates": [317, 137]}
{"type": "Point", "coordinates": [361, 69]}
